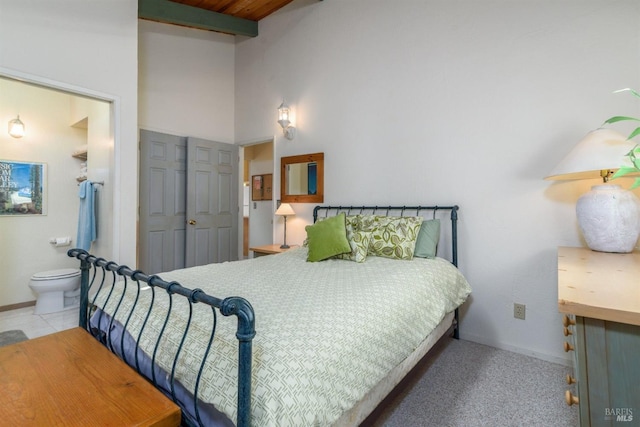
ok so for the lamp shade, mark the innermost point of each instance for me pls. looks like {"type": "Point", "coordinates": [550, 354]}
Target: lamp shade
{"type": "Point", "coordinates": [601, 149]}
{"type": "Point", "coordinates": [285, 209]}
{"type": "Point", "coordinates": [608, 215]}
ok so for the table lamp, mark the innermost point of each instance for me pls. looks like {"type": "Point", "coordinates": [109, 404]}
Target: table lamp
{"type": "Point", "coordinates": [285, 210]}
{"type": "Point", "coordinates": [608, 215]}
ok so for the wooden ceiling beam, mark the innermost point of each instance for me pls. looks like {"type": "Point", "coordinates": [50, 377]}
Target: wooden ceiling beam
{"type": "Point", "coordinates": [180, 14]}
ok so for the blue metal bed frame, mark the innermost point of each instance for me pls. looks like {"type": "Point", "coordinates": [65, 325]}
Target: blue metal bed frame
{"type": "Point", "coordinates": [96, 272]}
{"type": "Point", "coordinates": [102, 273]}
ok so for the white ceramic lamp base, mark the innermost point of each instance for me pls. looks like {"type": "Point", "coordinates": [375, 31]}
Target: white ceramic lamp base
{"type": "Point", "coordinates": [609, 218]}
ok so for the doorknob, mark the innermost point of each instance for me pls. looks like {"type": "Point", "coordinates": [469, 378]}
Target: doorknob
{"type": "Point", "coordinates": [192, 222]}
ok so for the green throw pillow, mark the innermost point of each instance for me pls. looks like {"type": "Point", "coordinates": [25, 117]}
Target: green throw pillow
{"type": "Point", "coordinates": [428, 237]}
{"type": "Point", "coordinates": [327, 238]}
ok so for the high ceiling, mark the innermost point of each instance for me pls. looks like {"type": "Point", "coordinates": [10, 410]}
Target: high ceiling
{"type": "Point", "coordinates": [253, 10]}
{"type": "Point", "coordinates": [239, 17]}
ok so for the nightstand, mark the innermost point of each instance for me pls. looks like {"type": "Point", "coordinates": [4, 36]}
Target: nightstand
{"type": "Point", "coordinates": [269, 250]}
{"type": "Point", "coordinates": [600, 295]}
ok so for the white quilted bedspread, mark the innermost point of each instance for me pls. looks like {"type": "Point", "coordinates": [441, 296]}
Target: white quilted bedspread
{"type": "Point", "coordinates": [326, 332]}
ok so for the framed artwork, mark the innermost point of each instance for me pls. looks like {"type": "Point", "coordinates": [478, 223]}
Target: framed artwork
{"type": "Point", "coordinates": [22, 188]}
{"type": "Point", "coordinates": [261, 187]}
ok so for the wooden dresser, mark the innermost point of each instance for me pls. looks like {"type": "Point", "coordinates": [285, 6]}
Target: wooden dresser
{"type": "Point", "coordinates": [600, 296]}
{"type": "Point", "coordinates": [70, 379]}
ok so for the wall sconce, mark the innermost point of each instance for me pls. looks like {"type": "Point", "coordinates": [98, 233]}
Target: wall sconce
{"type": "Point", "coordinates": [16, 127]}
{"type": "Point", "coordinates": [283, 118]}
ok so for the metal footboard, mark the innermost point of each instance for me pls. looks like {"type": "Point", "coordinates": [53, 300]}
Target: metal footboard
{"type": "Point", "coordinates": [99, 275]}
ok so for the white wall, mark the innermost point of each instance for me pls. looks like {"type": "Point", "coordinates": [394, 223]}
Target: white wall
{"type": "Point", "coordinates": [186, 81]}
{"type": "Point", "coordinates": [468, 102]}
{"type": "Point", "coordinates": [91, 47]}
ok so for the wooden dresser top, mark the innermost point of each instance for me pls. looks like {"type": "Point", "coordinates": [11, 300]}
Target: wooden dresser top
{"type": "Point", "coordinates": [599, 285]}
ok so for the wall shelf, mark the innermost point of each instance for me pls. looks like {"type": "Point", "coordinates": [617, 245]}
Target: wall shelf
{"type": "Point", "coordinates": [82, 155]}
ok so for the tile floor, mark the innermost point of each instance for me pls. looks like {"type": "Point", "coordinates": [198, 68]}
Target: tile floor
{"type": "Point", "coordinates": [34, 325]}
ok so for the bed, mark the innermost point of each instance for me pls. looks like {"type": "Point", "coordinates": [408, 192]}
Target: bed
{"type": "Point", "coordinates": [307, 342]}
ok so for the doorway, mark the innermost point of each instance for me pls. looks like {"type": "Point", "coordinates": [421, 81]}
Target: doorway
{"type": "Point", "coordinates": [61, 121]}
{"type": "Point", "coordinates": [188, 202]}
{"type": "Point", "coordinates": [258, 161]}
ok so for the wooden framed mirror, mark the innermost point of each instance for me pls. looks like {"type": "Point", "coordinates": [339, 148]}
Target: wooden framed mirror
{"type": "Point", "coordinates": [302, 178]}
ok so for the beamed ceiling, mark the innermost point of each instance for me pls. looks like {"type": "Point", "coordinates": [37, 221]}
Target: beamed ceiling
{"type": "Point", "coordinates": [238, 17]}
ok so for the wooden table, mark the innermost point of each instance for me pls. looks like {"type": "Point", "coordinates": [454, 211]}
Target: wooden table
{"type": "Point", "coordinates": [68, 378]}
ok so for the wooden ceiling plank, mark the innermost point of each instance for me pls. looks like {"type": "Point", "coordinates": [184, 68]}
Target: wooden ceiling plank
{"type": "Point", "coordinates": [221, 5]}
{"type": "Point", "coordinates": [266, 8]}
{"type": "Point", "coordinates": [238, 6]}
{"type": "Point", "coordinates": [213, 5]}
{"type": "Point", "coordinates": [181, 14]}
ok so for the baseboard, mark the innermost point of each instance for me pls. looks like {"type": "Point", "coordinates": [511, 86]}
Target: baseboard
{"type": "Point", "coordinates": [16, 306]}
{"type": "Point", "coordinates": [514, 349]}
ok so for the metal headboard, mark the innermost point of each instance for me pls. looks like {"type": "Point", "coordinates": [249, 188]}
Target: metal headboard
{"type": "Point", "coordinates": [397, 211]}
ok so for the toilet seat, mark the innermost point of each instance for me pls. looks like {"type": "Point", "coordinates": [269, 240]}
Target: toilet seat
{"type": "Point", "coordinates": [62, 273]}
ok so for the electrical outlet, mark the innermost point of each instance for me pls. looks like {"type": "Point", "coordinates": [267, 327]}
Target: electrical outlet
{"type": "Point", "coordinates": [519, 310]}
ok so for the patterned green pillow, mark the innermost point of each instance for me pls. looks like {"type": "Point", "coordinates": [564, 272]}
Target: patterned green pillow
{"type": "Point", "coordinates": [368, 222]}
{"type": "Point", "coordinates": [327, 238]}
{"type": "Point", "coordinates": [392, 236]}
{"type": "Point", "coordinates": [358, 240]}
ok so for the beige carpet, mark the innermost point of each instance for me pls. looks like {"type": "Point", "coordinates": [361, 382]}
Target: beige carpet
{"type": "Point", "coordinates": [468, 384]}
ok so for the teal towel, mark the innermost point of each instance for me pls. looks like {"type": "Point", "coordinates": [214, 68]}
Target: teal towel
{"type": "Point", "coordinates": [87, 216]}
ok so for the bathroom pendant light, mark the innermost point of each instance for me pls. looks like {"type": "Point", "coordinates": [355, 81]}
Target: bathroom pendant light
{"type": "Point", "coordinates": [16, 127]}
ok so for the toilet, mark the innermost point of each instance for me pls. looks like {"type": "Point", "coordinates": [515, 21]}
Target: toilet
{"type": "Point", "coordinates": [57, 290]}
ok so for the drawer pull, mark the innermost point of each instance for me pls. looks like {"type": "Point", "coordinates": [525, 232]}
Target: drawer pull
{"type": "Point", "coordinates": [571, 399]}
{"type": "Point", "coordinates": [567, 321]}
{"type": "Point", "coordinates": [567, 332]}
{"type": "Point", "coordinates": [568, 347]}
{"type": "Point", "coordinates": [570, 379]}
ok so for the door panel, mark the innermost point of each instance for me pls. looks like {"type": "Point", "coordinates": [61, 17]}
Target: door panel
{"type": "Point", "coordinates": [162, 202]}
{"type": "Point", "coordinates": [212, 202]}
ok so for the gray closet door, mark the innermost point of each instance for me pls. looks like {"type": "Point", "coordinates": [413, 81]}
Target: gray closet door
{"type": "Point", "coordinates": [188, 202]}
{"type": "Point", "coordinates": [212, 202]}
{"type": "Point", "coordinates": [163, 206]}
